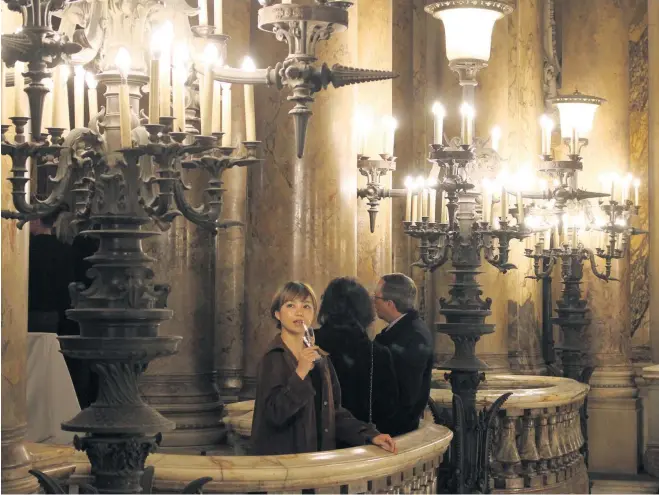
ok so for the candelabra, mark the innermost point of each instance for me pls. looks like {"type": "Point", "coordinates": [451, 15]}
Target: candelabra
{"type": "Point", "coordinates": [615, 228]}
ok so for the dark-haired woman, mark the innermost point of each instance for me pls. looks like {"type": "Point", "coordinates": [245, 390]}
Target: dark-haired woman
{"type": "Point", "coordinates": [298, 397]}
{"type": "Point", "coordinates": [365, 368]}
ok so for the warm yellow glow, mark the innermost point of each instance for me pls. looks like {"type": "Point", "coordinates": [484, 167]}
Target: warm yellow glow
{"type": "Point", "coordinates": [211, 55]}
{"type": "Point", "coordinates": [122, 61]}
{"type": "Point", "coordinates": [91, 81]}
{"type": "Point", "coordinates": [576, 116]}
{"type": "Point", "coordinates": [248, 64]}
{"type": "Point", "coordinates": [390, 123]}
{"type": "Point", "coordinates": [438, 110]}
{"type": "Point", "coordinates": [409, 183]}
{"type": "Point", "coordinates": [467, 110]}
{"type": "Point", "coordinates": [431, 182]}
{"type": "Point", "coordinates": [79, 71]}
{"type": "Point", "coordinates": [468, 32]}
{"type": "Point", "coordinates": [65, 72]}
{"type": "Point", "coordinates": [495, 137]}
{"type": "Point", "coordinates": [547, 123]}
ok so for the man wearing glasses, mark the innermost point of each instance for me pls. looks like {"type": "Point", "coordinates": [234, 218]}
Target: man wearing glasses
{"type": "Point", "coordinates": [411, 346]}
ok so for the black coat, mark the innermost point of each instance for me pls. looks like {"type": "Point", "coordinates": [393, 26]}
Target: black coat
{"type": "Point", "coordinates": [349, 349]}
{"type": "Point", "coordinates": [411, 346]}
{"type": "Point", "coordinates": [285, 414]}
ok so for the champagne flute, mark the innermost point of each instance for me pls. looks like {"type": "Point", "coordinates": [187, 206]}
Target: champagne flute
{"type": "Point", "coordinates": [309, 337]}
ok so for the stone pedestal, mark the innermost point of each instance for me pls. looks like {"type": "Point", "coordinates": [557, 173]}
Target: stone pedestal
{"type": "Point", "coordinates": [613, 400]}
{"type": "Point", "coordinates": [302, 212]}
{"type": "Point", "coordinates": [15, 249]}
{"type": "Point", "coordinates": [651, 454]}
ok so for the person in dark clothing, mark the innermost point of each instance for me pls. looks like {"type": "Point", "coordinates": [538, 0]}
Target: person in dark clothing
{"type": "Point", "coordinates": [298, 398]}
{"type": "Point", "coordinates": [411, 346]}
{"type": "Point", "coordinates": [53, 265]}
{"type": "Point", "coordinates": [369, 389]}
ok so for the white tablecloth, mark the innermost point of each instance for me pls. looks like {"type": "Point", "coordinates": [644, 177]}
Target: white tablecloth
{"type": "Point", "coordinates": [51, 398]}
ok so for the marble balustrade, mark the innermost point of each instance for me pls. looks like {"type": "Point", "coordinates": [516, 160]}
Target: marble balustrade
{"type": "Point", "coordinates": [365, 469]}
{"type": "Point", "coordinates": [537, 446]}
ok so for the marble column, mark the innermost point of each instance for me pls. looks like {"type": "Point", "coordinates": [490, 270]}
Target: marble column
{"type": "Point", "coordinates": [182, 387]}
{"type": "Point", "coordinates": [374, 250]}
{"type": "Point", "coordinates": [596, 61]}
{"type": "Point", "coordinates": [653, 167]}
{"type": "Point", "coordinates": [302, 213]}
{"type": "Point", "coordinates": [15, 249]}
{"type": "Point", "coordinates": [230, 243]}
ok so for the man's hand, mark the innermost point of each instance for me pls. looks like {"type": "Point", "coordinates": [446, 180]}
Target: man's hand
{"type": "Point", "coordinates": [385, 442]}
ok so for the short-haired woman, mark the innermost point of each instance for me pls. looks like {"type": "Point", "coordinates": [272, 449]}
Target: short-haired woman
{"type": "Point", "coordinates": [298, 398]}
{"type": "Point", "coordinates": [369, 389]}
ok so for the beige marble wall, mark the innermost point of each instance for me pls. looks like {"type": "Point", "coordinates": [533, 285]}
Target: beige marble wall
{"type": "Point", "coordinates": [230, 243]}
{"type": "Point", "coordinates": [301, 212]}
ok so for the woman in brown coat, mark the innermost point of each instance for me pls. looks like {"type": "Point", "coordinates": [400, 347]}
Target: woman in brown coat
{"type": "Point", "coordinates": [298, 397]}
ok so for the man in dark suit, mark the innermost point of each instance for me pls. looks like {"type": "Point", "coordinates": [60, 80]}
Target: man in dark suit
{"type": "Point", "coordinates": [411, 346]}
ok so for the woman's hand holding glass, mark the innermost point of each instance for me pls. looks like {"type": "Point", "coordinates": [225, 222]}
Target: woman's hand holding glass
{"type": "Point", "coordinates": [306, 361]}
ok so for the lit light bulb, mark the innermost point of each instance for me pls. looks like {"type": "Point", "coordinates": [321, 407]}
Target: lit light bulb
{"type": "Point", "coordinates": [122, 61]}
{"type": "Point", "coordinates": [91, 81]}
{"type": "Point", "coordinates": [438, 110]}
{"type": "Point", "coordinates": [248, 64]}
{"type": "Point", "coordinates": [409, 183]}
{"type": "Point", "coordinates": [211, 55]}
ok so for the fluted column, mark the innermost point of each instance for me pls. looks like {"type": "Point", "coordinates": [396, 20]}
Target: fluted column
{"type": "Point", "coordinates": [302, 212]}
{"type": "Point", "coordinates": [230, 243]}
{"type": "Point", "coordinates": [183, 388]}
{"type": "Point", "coordinates": [15, 250]}
{"type": "Point", "coordinates": [596, 61]}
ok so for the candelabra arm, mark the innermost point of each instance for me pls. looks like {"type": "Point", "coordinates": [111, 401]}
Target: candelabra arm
{"type": "Point", "coordinates": [590, 255]}
{"type": "Point", "coordinates": [499, 260]}
{"type": "Point", "coordinates": [539, 273]}
{"type": "Point", "coordinates": [232, 75]}
{"type": "Point", "coordinates": [71, 155]}
{"type": "Point", "coordinates": [431, 263]}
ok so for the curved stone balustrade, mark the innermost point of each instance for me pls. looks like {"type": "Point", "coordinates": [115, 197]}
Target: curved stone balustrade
{"type": "Point", "coordinates": [538, 437]}
{"type": "Point", "coordinates": [365, 469]}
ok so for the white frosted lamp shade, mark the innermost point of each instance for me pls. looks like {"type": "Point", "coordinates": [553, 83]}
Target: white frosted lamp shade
{"type": "Point", "coordinates": [469, 33]}
{"type": "Point", "coordinates": [576, 112]}
{"type": "Point", "coordinates": [468, 25]}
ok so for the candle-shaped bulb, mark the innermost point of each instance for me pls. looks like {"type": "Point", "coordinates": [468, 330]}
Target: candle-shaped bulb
{"type": "Point", "coordinates": [364, 125]}
{"type": "Point", "coordinates": [79, 71]}
{"type": "Point", "coordinates": [91, 81]}
{"type": "Point", "coordinates": [439, 112]}
{"type": "Point", "coordinates": [496, 137]}
{"type": "Point", "coordinates": [409, 182]}
{"type": "Point", "coordinates": [211, 55]}
{"type": "Point", "coordinates": [122, 61]}
{"type": "Point", "coordinates": [390, 125]}
{"type": "Point", "coordinates": [248, 64]}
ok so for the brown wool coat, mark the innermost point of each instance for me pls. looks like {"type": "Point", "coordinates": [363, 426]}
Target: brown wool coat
{"type": "Point", "coordinates": [284, 413]}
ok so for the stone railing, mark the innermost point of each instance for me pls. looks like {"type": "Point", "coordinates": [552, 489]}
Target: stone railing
{"type": "Point", "coordinates": [366, 469]}
{"type": "Point", "coordinates": [538, 437]}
